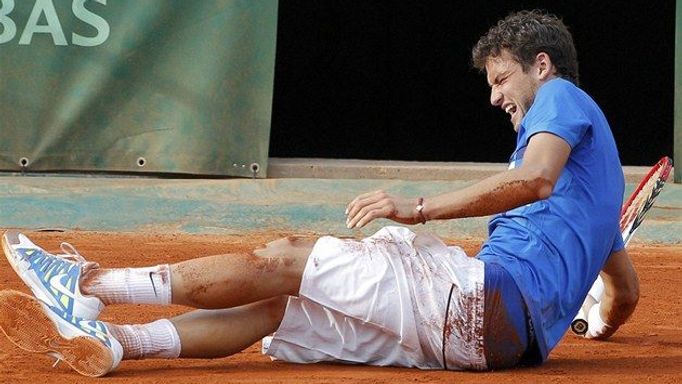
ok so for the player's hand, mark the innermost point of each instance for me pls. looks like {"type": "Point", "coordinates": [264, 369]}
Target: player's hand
{"type": "Point", "coordinates": [590, 313]}
{"type": "Point", "coordinates": [620, 298]}
{"type": "Point", "coordinates": [379, 204]}
{"type": "Point", "coordinates": [597, 328]}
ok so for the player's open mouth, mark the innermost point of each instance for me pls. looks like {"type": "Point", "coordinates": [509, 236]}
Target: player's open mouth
{"type": "Point", "coordinates": [511, 110]}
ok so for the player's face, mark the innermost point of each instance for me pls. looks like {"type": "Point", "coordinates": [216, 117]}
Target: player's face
{"type": "Point", "coordinates": [511, 88]}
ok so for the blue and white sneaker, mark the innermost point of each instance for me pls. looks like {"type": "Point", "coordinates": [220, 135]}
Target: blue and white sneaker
{"type": "Point", "coordinates": [53, 279]}
{"type": "Point", "coordinates": [86, 345]}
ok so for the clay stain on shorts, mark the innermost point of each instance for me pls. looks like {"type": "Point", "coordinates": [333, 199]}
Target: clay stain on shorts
{"type": "Point", "coordinates": [462, 321]}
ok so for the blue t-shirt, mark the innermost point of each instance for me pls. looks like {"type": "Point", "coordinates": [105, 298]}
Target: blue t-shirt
{"type": "Point", "coordinates": [554, 248]}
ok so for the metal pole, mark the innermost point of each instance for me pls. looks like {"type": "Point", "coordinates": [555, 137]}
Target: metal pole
{"type": "Point", "coordinates": [677, 146]}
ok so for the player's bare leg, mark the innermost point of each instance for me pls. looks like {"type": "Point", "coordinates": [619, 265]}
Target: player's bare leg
{"type": "Point", "coordinates": [223, 332]}
{"type": "Point", "coordinates": [212, 282]}
{"type": "Point", "coordinates": [201, 333]}
{"type": "Point", "coordinates": [232, 280]}
{"type": "Point", "coordinates": [222, 281]}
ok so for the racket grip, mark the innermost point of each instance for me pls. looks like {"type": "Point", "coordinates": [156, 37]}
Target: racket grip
{"type": "Point", "coordinates": [597, 289]}
{"type": "Point", "coordinates": [579, 324]}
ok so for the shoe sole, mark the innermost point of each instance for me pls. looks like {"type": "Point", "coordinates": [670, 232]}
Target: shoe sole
{"type": "Point", "coordinates": [24, 322]}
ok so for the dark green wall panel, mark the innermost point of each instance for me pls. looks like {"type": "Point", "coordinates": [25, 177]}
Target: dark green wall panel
{"type": "Point", "coordinates": [178, 86]}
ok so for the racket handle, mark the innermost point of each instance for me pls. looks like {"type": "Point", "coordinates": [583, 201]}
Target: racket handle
{"type": "Point", "coordinates": [597, 289]}
{"type": "Point", "coordinates": [579, 324]}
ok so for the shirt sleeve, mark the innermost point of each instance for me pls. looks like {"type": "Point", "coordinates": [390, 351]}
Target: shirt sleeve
{"type": "Point", "coordinates": [618, 244]}
{"type": "Point", "coordinates": [556, 109]}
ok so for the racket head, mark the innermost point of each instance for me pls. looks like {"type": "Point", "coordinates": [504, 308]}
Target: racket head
{"type": "Point", "coordinates": [643, 197]}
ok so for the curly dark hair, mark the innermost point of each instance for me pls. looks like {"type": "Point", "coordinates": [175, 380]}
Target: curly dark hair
{"type": "Point", "coordinates": [525, 34]}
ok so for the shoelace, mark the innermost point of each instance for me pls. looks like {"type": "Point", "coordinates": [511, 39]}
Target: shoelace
{"type": "Point", "coordinates": [70, 253]}
{"type": "Point", "coordinates": [56, 356]}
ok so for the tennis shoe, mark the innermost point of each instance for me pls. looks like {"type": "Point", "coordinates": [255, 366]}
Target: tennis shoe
{"type": "Point", "coordinates": [86, 345]}
{"type": "Point", "coordinates": [53, 279]}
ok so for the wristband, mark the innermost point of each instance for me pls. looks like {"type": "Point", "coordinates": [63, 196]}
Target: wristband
{"type": "Point", "coordinates": [597, 289]}
{"type": "Point", "coordinates": [420, 208]}
{"type": "Point", "coordinates": [596, 325]}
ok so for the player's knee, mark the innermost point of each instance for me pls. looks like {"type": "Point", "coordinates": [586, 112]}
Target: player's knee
{"type": "Point", "coordinates": [286, 258]}
{"type": "Point", "coordinates": [299, 241]}
{"type": "Point", "coordinates": [291, 247]}
{"type": "Point", "coordinates": [276, 248]}
{"type": "Point", "coordinates": [291, 242]}
{"type": "Point", "coordinates": [275, 308]}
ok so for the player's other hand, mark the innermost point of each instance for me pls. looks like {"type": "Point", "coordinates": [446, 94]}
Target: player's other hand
{"type": "Point", "coordinates": [597, 328]}
{"type": "Point", "coordinates": [379, 204]}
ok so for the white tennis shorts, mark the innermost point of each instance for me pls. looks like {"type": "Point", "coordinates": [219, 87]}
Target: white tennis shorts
{"type": "Point", "coordinates": [396, 298]}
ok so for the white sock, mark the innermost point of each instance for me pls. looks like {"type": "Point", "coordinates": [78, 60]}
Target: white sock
{"type": "Point", "coordinates": [149, 285]}
{"type": "Point", "coordinates": [156, 340]}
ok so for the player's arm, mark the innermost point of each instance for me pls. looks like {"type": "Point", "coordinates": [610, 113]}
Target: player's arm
{"type": "Point", "coordinates": [621, 294]}
{"type": "Point", "coordinates": [543, 161]}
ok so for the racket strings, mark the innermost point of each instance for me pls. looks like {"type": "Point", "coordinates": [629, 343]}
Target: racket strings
{"type": "Point", "coordinates": [643, 199]}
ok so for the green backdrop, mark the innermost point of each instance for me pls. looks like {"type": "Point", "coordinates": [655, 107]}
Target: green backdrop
{"type": "Point", "coordinates": [162, 86]}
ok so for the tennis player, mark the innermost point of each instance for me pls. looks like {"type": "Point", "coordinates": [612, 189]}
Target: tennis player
{"type": "Point", "coordinates": [396, 298]}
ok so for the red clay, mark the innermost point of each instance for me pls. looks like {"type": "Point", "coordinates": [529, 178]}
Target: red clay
{"type": "Point", "coordinates": [647, 349]}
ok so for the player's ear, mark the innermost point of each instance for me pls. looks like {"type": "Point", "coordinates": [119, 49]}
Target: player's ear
{"type": "Point", "coordinates": [544, 67]}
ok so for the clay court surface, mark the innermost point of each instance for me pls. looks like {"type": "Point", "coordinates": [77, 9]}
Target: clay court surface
{"type": "Point", "coordinates": [646, 350]}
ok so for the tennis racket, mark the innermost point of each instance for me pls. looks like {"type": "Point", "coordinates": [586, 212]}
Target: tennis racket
{"type": "Point", "coordinates": [631, 216]}
{"type": "Point", "coordinates": [642, 199]}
